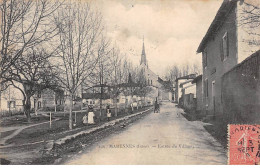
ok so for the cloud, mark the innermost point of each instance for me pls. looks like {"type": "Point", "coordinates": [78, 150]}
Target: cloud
{"type": "Point", "coordinates": [172, 29]}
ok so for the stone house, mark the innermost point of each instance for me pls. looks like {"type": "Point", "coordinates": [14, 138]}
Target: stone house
{"type": "Point", "coordinates": [199, 102]}
{"type": "Point", "coordinates": [226, 44]}
{"type": "Point", "coordinates": [47, 99]}
{"type": "Point", "coordinates": [178, 82]}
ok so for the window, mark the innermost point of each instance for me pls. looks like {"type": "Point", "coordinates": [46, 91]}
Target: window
{"type": "Point", "coordinates": [206, 93]}
{"type": "Point", "coordinates": [151, 82]}
{"type": "Point", "coordinates": [213, 88]}
{"type": "Point", "coordinates": [11, 104]}
{"type": "Point", "coordinates": [39, 94]}
{"type": "Point", "coordinates": [205, 58]}
{"type": "Point", "coordinates": [224, 47]}
{"type": "Point", "coordinates": [39, 104]}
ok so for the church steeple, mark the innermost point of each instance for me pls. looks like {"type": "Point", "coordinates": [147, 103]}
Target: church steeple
{"type": "Point", "coordinates": [143, 56]}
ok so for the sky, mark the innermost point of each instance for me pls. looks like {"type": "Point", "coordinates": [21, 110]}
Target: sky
{"type": "Point", "coordinates": [172, 29]}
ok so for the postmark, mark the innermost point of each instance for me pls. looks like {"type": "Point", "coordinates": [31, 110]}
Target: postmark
{"type": "Point", "coordinates": [243, 144]}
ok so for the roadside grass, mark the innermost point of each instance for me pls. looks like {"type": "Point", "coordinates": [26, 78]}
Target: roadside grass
{"type": "Point", "coordinates": [59, 128]}
{"type": "Point", "coordinates": [21, 120]}
{"type": "Point", "coordinates": [219, 131]}
{"type": "Point", "coordinates": [30, 142]}
{"type": "Point", "coordinates": [215, 128]}
{"type": "Point", "coordinates": [6, 133]}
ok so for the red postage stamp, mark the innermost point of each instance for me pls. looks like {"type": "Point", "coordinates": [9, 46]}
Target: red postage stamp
{"type": "Point", "coordinates": [243, 144]}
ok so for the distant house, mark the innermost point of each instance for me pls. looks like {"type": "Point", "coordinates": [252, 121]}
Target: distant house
{"type": "Point", "coordinates": [93, 99]}
{"type": "Point", "coordinates": [225, 44]}
{"type": "Point", "coordinates": [165, 90]}
{"type": "Point", "coordinates": [188, 95]}
{"type": "Point", "coordinates": [11, 101]}
{"type": "Point", "coordinates": [178, 81]}
{"type": "Point", "coordinates": [188, 87]}
{"type": "Point", "coordinates": [47, 99]}
{"type": "Point", "coordinates": [199, 97]}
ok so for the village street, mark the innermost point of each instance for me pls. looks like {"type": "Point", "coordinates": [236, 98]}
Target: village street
{"type": "Point", "coordinates": [158, 138]}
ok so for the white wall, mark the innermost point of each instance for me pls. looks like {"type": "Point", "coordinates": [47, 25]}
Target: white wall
{"type": "Point", "coordinates": [11, 94]}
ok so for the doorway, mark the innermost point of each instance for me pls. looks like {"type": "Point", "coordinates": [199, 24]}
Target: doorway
{"type": "Point", "coordinates": [213, 92]}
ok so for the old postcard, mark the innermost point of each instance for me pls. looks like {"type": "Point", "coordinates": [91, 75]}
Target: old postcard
{"type": "Point", "coordinates": [130, 82]}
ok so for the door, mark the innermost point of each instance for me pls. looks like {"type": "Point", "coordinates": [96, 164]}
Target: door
{"type": "Point", "coordinates": [213, 97]}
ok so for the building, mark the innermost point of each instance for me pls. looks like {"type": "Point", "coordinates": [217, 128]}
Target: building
{"type": "Point", "coordinates": [225, 44]}
{"type": "Point", "coordinates": [178, 87]}
{"type": "Point", "coordinates": [48, 99]}
{"type": "Point", "coordinates": [160, 88]}
{"type": "Point", "coordinates": [93, 99]}
{"type": "Point", "coordinates": [199, 97]}
{"type": "Point", "coordinates": [11, 101]}
{"type": "Point", "coordinates": [144, 92]}
{"type": "Point", "coordinates": [188, 95]}
{"type": "Point", "coordinates": [165, 90]}
{"type": "Point", "coordinates": [241, 91]}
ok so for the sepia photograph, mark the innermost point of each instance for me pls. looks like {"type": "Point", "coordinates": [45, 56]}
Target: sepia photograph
{"type": "Point", "coordinates": [130, 82]}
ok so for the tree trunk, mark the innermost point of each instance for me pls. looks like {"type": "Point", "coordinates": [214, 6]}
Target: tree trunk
{"type": "Point", "coordinates": [100, 113]}
{"type": "Point", "coordinates": [144, 103]}
{"type": "Point", "coordinates": [116, 108]}
{"type": "Point", "coordinates": [70, 116]}
{"type": "Point", "coordinates": [27, 107]}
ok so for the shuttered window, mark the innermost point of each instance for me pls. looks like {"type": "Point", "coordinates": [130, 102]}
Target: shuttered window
{"type": "Point", "coordinates": [206, 93]}
{"type": "Point", "coordinates": [224, 47]}
{"type": "Point", "coordinates": [205, 59]}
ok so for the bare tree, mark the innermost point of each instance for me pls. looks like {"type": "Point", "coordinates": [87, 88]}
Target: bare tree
{"type": "Point", "coordinates": [176, 71]}
{"type": "Point", "coordinates": [116, 62]}
{"type": "Point", "coordinates": [23, 26]}
{"type": "Point", "coordinates": [79, 30]}
{"type": "Point", "coordinates": [250, 17]}
{"type": "Point", "coordinates": [104, 68]}
{"type": "Point", "coordinates": [249, 21]}
{"type": "Point", "coordinates": [33, 72]}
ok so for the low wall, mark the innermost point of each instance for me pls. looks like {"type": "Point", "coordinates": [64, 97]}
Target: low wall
{"type": "Point", "coordinates": [189, 102]}
{"type": "Point", "coordinates": [241, 92]}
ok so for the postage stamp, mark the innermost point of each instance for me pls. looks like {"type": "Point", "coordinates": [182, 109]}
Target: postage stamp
{"type": "Point", "coordinates": [243, 144]}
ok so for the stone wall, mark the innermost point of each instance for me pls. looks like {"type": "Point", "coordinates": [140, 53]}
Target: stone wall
{"type": "Point", "coordinates": [241, 92]}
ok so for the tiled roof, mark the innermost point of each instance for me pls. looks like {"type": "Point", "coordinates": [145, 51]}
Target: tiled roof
{"type": "Point", "coordinates": [218, 21]}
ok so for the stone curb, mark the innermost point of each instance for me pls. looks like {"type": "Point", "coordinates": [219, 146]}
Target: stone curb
{"type": "Point", "coordinates": [69, 138]}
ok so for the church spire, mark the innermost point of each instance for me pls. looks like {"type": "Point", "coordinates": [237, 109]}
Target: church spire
{"type": "Point", "coordinates": [143, 56]}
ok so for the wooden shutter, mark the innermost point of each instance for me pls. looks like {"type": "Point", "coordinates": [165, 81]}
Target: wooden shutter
{"type": "Point", "coordinates": [227, 44]}
{"type": "Point", "coordinates": [221, 50]}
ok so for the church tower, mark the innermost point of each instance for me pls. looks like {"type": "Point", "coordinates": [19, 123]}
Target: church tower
{"type": "Point", "coordinates": [143, 57]}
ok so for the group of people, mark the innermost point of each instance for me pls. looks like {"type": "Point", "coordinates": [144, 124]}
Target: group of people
{"type": "Point", "coordinates": [90, 118]}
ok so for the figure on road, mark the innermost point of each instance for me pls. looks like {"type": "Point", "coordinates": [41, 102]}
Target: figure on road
{"type": "Point", "coordinates": [156, 106]}
{"type": "Point", "coordinates": [85, 120]}
{"type": "Point", "coordinates": [91, 116]}
{"type": "Point", "coordinates": [108, 113]}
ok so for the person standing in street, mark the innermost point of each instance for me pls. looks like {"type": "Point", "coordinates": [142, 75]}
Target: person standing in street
{"type": "Point", "coordinates": [85, 120]}
{"type": "Point", "coordinates": [155, 105]}
{"type": "Point", "coordinates": [91, 116]}
{"type": "Point", "coordinates": [108, 113]}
